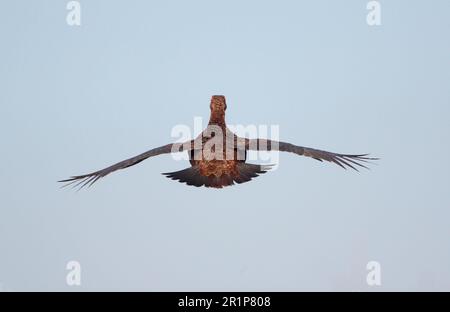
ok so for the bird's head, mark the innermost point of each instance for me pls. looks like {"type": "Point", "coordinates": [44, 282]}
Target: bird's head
{"type": "Point", "coordinates": [218, 104]}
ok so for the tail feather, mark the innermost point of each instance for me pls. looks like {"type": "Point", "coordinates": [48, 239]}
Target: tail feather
{"type": "Point", "coordinates": [192, 176]}
{"type": "Point", "coordinates": [249, 171]}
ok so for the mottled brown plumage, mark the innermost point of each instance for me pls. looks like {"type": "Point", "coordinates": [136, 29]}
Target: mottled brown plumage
{"type": "Point", "coordinates": [218, 156]}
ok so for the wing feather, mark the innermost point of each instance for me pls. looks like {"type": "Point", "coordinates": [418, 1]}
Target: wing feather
{"type": "Point", "coordinates": [91, 178]}
{"type": "Point", "coordinates": [345, 161]}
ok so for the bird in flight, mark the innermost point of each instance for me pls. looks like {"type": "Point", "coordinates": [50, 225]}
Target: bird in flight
{"type": "Point", "coordinates": [218, 156]}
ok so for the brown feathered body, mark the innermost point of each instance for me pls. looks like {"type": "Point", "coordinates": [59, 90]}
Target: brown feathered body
{"type": "Point", "coordinates": [217, 159]}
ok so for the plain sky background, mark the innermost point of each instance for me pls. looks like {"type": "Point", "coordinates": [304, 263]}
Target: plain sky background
{"type": "Point", "coordinates": [77, 99]}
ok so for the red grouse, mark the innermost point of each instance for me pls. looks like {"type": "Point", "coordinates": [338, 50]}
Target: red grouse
{"type": "Point", "coordinates": [218, 156]}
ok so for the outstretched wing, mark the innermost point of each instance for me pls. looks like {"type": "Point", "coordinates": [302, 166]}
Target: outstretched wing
{"type": "Point", "coordinates": [91, 178]}
{"type": "Point", "coordinates": [342, 160]}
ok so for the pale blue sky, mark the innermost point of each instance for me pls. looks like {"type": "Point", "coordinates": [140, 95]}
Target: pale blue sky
{"type": "Point", "coordinates": [76, 99]}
